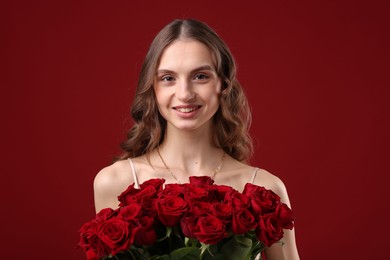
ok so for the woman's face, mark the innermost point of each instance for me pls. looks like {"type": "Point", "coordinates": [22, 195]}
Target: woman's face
{"type": "Point", "coordinates": [187, 86]}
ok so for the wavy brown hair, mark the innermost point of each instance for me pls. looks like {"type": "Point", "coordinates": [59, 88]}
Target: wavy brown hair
{"type": "Point", "coordinates": [232, 119]}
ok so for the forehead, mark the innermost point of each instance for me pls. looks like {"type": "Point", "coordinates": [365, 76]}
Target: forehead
{"type": "Point", "coordinates": [186, 53]}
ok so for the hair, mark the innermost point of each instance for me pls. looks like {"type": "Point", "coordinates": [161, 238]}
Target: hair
{"type": "Point", "coordinates": [232, 119]}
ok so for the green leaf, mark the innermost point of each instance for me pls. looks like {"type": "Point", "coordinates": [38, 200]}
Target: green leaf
{"type": "Point", "coordinates": [257, 248]}
{"type": "Point", "coordinates": [186, 253]}
{"type": "Point", "coordinates": [238, 247]}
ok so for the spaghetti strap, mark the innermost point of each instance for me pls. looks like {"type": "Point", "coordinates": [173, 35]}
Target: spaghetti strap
{"type": "Point", "coordinates": [254, 175]}
{"type": "Point", "coordinates": [136, 185]}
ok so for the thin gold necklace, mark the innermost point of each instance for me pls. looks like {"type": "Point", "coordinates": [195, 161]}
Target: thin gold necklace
{"type": "Point", "coordinates": [171, 173]}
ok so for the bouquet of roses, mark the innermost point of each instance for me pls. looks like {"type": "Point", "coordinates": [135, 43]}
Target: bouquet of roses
{"type": "Point", "coordinates": [196, 220]}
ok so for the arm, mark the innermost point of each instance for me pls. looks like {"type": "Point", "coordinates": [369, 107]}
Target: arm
{"type": "Point", "coordinates": [289, 249]}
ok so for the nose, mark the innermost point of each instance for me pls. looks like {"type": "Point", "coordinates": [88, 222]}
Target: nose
{"type": "Point", "coordinates": [184, 91]}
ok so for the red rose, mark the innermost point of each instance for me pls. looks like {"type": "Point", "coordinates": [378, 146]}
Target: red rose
{"type": "Point", "coordinates": [189, 224]}
{"type": "Point", "coordinates": [263, 201]}
{"type": "Point", "coordinates": [172, 189]}
{"type": "Point", "coordinates": [156, 183]}
{"type": "Point", "coordinates": [222, 211]}
{"type": "Point", "coordinates": [171, 209]}
{"type": "Point", "coordinates": [90, 241]}
{"type": "Point", "coordinates": [146, 235]}
{"type": "Point", "coordinates": [192, 193]}
{"type": "Point", "coordinates": [269, 229]}
{"type": "Point", "coordinates": [211, 230]}
{"type": "Point", "coordinates": [201, 181]}
{"type": "Point", "coordinates": [87, 232]}
{"type": "Point", "coordinates": [91, 255]}
{"type": "Point", "coordinates": [243, 221]}
{"type": "Point", "coordinates": [149, 207]}
{"type": "Point", "coordinates": [116, 235]}
{"type": "Point", "coordinates": [148, 192]}
{"type": "Point", "coordinates": [285, 216]}
{"type": "Point", "coordinates": [105, 214]}
{"type": "Point", "coordinates": [146, 197]}
{"type": "Point", "coordinates": [220, 191]}
{"type": "Point", "coordinates": [98, 247]}
{"type": "Point", "coordinates": [131, 194]}
{"type": "Point", "coordinates": [200, 208]}
{"type": "Point", "coordinates": [127, 196]}
{"type": "Point", "coordinates": [237, 200]}
{"type": "Point", "coordinates": [129, 212]}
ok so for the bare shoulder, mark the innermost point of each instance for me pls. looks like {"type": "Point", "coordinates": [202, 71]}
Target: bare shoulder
{"type": "Point", "coordinates": [272, 182]}
{"type": "Point", "coordinates": [109, 183]}
{"type": "Point", "coordinates": [113, 175]}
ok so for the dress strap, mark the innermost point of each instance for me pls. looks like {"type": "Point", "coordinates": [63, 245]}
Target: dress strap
{"type": "Point", "coordinates": [136, 185]}
{"type": "Point", "coordinates": [254, 175]}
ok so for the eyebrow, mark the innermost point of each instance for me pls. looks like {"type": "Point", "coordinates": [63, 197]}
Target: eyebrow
{"type": "Point", "coordinates": [204, 67]}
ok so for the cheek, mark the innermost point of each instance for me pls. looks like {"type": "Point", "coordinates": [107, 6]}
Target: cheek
{"type": "Point", "coordinates": [159, 96]}
{"type": "Point", "coordinates": [163, 100]}
{"type": "Point", "coordinates": [212, 94]}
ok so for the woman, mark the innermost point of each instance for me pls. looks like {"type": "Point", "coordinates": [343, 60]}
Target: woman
{"type": "Point", "coordinates": [191, 119]}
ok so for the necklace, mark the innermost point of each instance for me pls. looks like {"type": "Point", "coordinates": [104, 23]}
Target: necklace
{"type": "Point", "coordinates": [171, 173]}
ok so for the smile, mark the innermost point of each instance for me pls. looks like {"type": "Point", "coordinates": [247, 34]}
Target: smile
{"type": "Point", "coordinates": [186, 109]}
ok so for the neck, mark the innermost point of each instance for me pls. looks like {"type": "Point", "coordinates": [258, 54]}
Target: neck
{"type": "Point", "coordinates": [190, 152]}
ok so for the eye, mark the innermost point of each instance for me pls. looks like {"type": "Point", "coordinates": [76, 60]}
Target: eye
{"type": "Point", "coordinates": [201, 76]}
{"type": "Point", "coordinates": [167, 78]}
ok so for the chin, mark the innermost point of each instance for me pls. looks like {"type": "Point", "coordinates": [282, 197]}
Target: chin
{"type": "Point", "coordinates": [188, 126]}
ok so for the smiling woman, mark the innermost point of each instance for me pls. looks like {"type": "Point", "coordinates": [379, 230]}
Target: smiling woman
{"type": "Point", "coordinates": [187, 86]}
{"type": "Point", "coordinates": [191, 119]}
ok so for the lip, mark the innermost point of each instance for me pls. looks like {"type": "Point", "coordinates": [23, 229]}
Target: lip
{"type": "Point", "coordinates": [187, 111]}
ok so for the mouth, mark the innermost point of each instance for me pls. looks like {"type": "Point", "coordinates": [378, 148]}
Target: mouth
{"type": "Point", "coordinates": [186, 109]}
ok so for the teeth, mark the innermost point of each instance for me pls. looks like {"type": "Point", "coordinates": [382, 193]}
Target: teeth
{"type": "Point", "coordinates": [186, 109]}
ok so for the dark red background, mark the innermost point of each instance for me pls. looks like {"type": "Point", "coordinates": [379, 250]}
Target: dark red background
{"type": "Point", "coordinates": [316, 74]}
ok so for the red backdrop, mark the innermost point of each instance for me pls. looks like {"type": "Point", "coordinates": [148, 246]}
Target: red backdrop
{"type": "Point", "coordinates": [314, 72]}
